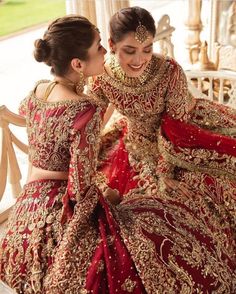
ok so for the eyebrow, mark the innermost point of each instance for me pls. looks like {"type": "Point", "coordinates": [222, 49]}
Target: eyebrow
{"type": "Point", "coordinates": [132, 47]}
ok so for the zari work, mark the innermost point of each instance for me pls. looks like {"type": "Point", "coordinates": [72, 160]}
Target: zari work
{"type": "Point", "coordinates": [179, 137]}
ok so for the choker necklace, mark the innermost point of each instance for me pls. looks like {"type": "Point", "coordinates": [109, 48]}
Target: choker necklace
{"type": "Point", "coordinates": [120, 75]}
{"type": "Point", "coordinates": [77, 88]}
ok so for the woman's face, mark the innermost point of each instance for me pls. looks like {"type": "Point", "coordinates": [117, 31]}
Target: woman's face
{"type": "Point", "coordinates": [133, 56]}
{"type": "Point", "coordinates": [95, 63]}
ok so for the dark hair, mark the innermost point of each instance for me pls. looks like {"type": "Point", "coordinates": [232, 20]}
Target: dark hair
{"type": "Point", "coordinates": [126, 20]}
{"type": "Point", "coordinates": [66, 38]}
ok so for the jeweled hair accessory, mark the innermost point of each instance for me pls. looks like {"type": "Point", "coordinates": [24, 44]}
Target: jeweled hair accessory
{"type": "Point", "coordinates": [141, 33]}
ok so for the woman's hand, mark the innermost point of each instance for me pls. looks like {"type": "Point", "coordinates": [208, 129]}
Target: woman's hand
{"type": "Point", "coordinates": [112, 195]}
{"type": "Point", "coordinates": [173, 185]}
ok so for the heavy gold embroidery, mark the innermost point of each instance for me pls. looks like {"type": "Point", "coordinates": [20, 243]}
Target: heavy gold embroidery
{"type": "Point", "coordinates": [73, 256]}
{"type": "Point", "coordinates": [207, 161]}
{"type": "Point", "coordinates": [34, 230]}
{"type": "Point", "coordinates": [163, 87]}
{"type": "Point", "coordinates": [48, 128]}
{"type": "Point", "coordinates": [100, 266]}
{"type": "Point", "coordinates": [173, 221]}
{"type": "Point", "coordinates": [214, 116]}
{"type": "Point", "coordinates": [128, 285]}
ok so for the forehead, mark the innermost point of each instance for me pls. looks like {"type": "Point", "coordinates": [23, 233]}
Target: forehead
{"type": "Point", "coordinates": [130, 41]}
{"type": "Point", "coordinates": [96, 40]}
{"type": "Point", "coordinates": [96, 37]}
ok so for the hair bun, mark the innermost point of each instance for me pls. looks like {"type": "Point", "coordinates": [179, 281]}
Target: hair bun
{"type": "Point", "coordinates": [42, 50]}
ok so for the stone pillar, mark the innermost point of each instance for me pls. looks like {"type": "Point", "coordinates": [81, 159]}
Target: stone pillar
{"type": "Point", "coordinates": [86, 8]}
{"type": "Point", "coordinates": [91, 8]}
{"type": "Point", "coordinates": [108, 8]}
{"type": "Point", "coordinates": [194, 28]}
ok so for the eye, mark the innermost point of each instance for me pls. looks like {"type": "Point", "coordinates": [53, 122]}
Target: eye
{"type": "Point", "coordinates": [149, 50]}
{"type": "Point", "coordinates": [127, 51]}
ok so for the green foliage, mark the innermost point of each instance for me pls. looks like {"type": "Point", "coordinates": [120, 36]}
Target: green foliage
{"type": "Point", "coordinates": [18, 14]}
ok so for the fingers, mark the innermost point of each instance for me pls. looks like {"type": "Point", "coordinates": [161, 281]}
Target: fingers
{"type": "Point", "coordinates": [173, 186]}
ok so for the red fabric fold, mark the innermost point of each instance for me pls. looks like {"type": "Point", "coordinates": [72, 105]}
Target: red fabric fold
{"type": "Point", "coordinates": [186, 135]}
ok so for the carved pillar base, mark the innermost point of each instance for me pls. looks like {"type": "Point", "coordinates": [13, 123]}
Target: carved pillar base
{"type": "Point", "coordinates": [194, 28]}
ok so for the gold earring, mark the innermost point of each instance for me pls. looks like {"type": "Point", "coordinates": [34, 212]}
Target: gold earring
{"type": "Point", "coordinates": [79, 87]}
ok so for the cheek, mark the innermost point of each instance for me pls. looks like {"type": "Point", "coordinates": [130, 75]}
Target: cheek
{"type": "Point", "coordinates": [149, 57]}
{"type": "Point", "coordinates": [123, 59]}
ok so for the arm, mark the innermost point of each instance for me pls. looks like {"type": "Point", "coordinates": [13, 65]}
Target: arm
{"type": "Point", "coordinates": [83, 151]}
{"type": "Point", "coordinates": [83, 175]}
{"type": "Point", "coordinates": [95, 90]}
{"type": "Point", "coordinates": [179, 102]}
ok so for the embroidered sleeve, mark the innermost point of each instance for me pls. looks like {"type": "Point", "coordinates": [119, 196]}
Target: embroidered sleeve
{"type": "Point", "coordinates": [179, 101]}
{"type": "Point", "coordinates": [214, 116]}
{"type": "Point", "coordinates": [83, 150]}
{"type": "Point", "coordinates": [95, 89]}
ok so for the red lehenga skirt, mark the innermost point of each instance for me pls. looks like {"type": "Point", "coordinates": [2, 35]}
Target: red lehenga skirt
{"type": "Point", "coordinates": [34, 230]}
{"type": "Point", "coordinates": [202, 159]}
{"type": "Point", "coordinates": [146, 244]}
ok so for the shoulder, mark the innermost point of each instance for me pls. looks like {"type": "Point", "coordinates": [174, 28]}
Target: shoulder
{"type": "Point", "coordinates": [25, 102]}
{"type": "Point", "coordinates": [89, 113]}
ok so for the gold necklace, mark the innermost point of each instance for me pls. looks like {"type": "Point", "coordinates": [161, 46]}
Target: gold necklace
{"type": "Point", "coordinates": [120, 75]}
{"type": "Point", "coordinates": [77, 88]}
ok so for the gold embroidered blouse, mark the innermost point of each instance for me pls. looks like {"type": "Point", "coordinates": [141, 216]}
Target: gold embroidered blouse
{"type": "Point", "coordinates": [64, 136]}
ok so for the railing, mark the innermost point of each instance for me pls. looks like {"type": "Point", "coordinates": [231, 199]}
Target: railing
{"type": "Point", "coordinates": [216, 85]}
{"type": "Point", "coordinates": [9, 167]}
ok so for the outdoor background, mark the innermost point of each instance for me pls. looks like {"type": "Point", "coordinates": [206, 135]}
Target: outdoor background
{"type": "Point", "coordinates": [16, 15]}
{"type": "Point", "coordinates": [24, 21]}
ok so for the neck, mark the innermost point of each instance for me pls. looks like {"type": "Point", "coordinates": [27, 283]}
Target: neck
{"type": "Point", "coordinates": [77, 87]}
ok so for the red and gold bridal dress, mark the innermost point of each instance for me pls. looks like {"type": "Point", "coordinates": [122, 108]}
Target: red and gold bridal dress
{"type": "Point", "coordinates": [165, 132]}
{"type": "Point", "coordinates": [62, 136]}
{"type": "Point", "coordinates": [149, 243]}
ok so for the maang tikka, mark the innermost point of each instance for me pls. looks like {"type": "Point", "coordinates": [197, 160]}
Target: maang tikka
{"type": "Point", "coordinates": [141, 33]}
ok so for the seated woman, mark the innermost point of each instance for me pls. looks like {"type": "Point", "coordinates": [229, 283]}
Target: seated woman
{"type": "Point", "coordinates": [167, 136]}
{"type": "Point", "coordinates": [63, 126]}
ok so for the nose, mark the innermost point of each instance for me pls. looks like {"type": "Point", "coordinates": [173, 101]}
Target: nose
{"type": "Point", "coordinates": [104, 50]}
{"type": "Point", "coordinates": [138, 59]}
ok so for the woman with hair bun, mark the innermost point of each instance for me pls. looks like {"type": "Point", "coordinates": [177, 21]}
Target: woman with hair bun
{"type": "Point", "coordinates": [63, 126]}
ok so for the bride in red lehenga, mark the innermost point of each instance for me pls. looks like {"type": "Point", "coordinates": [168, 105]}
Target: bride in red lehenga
{"type": "Point", "coordinates": [172, 159]}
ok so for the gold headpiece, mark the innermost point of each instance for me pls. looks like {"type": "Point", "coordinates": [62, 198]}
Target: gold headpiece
{"type": "Point", "coordinates": [141, 33]}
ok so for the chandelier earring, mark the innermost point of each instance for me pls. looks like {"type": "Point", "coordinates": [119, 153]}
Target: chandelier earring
{"type": "Point", "coordinates": [79, 87]}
